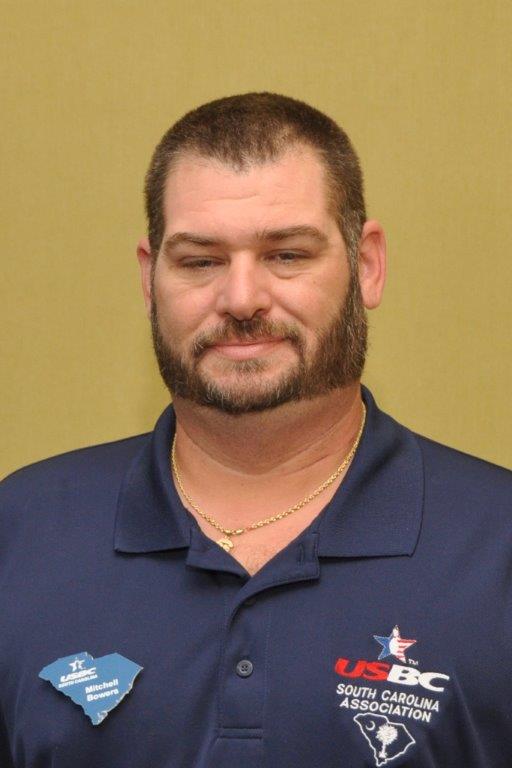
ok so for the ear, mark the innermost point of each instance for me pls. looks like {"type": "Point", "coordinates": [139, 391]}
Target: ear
{"type": "Point", "coordinates": [145, 263]}
{"type": "Point", "coordinates": [372, 263]}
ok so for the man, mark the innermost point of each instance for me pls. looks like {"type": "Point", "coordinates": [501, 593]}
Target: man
{"type": "Point", "coordinates": [280, 574]}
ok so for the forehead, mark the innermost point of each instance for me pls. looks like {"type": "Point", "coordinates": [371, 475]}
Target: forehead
{"type": "Point", "coordinates": [205, 195]}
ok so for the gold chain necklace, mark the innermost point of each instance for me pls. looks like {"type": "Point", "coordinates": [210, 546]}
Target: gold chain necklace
{"type": "Point", "coordinates": [226, 542]}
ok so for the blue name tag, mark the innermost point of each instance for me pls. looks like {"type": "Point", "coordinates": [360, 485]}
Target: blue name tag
{"type": "Point", "coordinates": [97, 685]}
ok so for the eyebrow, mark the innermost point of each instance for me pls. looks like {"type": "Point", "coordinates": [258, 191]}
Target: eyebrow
{"type": "Point", "coordinates": [265, 235]}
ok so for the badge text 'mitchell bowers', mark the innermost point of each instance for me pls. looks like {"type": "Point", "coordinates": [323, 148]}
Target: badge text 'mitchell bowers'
{"type": "Point", "coordinates": [102, 690]}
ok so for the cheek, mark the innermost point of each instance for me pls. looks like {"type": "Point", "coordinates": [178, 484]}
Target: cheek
{"type": "Point", "coordinates": [314, 302]}
{"type": "Point", "coordinates": [180, 312]}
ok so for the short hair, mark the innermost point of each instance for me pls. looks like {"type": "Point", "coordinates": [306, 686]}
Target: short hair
{"type": "Point", "coordinates": [254, 128]}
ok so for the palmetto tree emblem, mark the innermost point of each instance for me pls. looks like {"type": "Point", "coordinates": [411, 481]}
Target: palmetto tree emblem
{"type": "Point", "coordinates": [386, 734]}
{"type": "Point", "coordinates": [386, 740]}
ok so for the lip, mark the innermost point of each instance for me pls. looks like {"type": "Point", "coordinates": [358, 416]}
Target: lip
{"type": "Point", "coordinates": [242, 350]}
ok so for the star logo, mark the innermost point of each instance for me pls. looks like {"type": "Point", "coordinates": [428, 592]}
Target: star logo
{"type": "Point", "coordinates": [394, 645]}
{"type": "Point", "coordinates": [76, 664]}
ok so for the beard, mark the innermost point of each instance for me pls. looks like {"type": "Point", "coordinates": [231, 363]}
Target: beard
{"type": "Point", "coordinates": [338, 360]}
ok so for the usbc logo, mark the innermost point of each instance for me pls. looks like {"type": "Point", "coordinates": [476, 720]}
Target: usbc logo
{"type": "Point", "coordinates": [392, 673]}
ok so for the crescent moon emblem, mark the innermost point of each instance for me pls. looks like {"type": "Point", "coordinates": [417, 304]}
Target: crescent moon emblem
{"type": "Point", "coordinates": [372, 728]}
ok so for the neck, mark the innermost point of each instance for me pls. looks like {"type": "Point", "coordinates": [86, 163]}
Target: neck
{"type": "Point", "coordinates": [262, 443]}
{"type": "Point", "coordinates": [270, 458]}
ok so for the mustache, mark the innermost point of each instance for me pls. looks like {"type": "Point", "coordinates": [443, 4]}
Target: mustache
{"type": "Point", "coordinates": [245, 331]}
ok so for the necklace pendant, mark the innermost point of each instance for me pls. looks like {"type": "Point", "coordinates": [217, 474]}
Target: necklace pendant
{"type": "Point", "coordinates": [226, 544]}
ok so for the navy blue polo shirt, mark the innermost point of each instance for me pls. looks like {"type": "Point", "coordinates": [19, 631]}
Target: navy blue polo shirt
{"type": "Point", "coordinates": [380, 636]}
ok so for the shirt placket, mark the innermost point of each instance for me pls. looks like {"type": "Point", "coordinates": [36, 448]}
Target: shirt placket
{"type": "Point", "coordinates": [247, 640]}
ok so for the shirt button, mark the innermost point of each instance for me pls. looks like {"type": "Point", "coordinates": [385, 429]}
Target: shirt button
{"type": "Point", "coordinates": [244, 668]}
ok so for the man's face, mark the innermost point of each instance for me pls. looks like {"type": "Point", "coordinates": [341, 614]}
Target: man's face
{"type": "Point", "coordinates": [253, 300]}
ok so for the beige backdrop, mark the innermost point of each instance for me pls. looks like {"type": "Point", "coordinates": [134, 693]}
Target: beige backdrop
{"type": "Point", "coordinates": [89, 86]}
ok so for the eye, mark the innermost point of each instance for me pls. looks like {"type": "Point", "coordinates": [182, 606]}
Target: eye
{"type": "Point", "coordinates": [287, 257]}
{"type": "Point", "coordinates": [198, 264]}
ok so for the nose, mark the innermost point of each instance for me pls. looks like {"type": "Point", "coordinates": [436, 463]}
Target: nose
{"type": "Point", "coordinates": [244, 290]}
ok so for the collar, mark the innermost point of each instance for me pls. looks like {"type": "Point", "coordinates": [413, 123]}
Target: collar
{"type": "Point", "coordinates": [376, 511]}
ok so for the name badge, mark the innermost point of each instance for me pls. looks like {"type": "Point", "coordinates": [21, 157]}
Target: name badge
{"type": "Point", "coordinates": [96, 685]}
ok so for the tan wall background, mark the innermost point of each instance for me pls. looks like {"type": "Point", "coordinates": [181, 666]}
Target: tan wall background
{"type": "Point", "coordinates": [89, 86]}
